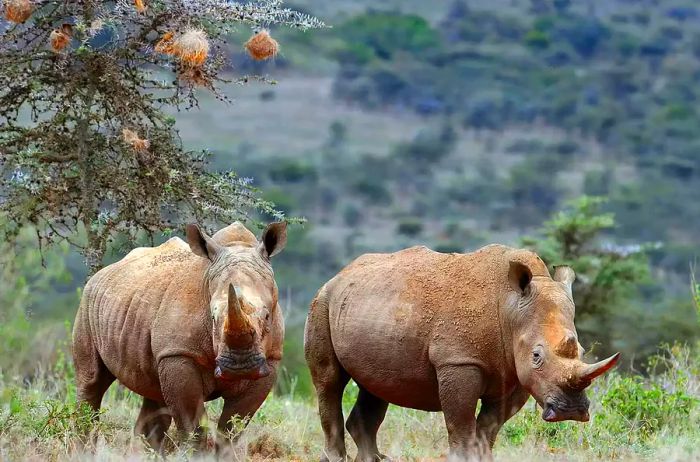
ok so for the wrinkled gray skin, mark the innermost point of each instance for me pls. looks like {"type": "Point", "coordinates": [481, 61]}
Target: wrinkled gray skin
{"type": "Point", "coordinates": [181, 324]}
{"type": "Point", "coordinates": [439, 332]}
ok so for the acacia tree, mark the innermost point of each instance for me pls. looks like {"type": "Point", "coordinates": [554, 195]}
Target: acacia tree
{"type": "Point", "coordinates": [86, 145]}
{"type": "Point", "coordinates": [607, 275]}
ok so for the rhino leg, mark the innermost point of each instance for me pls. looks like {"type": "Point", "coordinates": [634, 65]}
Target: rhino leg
{"type": "Point", "coordinates": [494, 414]}
{"type": "Point", "coordinates": [183, 392]}
{"type": "Point", "coordinates": [91, 375]}
{"type": "Point", "coordinates": [329, 379]}
{"type": "Point", "coordinates": [153, 421]}
{"type": "Point", "coordinates": [246, 403]}
{"type": "Point", "coordinates": [364, 421]}
{"type": "Point", "coordinates": [460, 387]}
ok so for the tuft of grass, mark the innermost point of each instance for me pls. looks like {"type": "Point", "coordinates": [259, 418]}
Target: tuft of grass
{"type": "Point", "coordinates": [633, 418]}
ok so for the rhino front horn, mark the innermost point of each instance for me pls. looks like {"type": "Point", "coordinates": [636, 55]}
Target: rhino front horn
{"type": "Point", "coordinates": [237, 319]}
{"type": "Point", "coordinates": [591, 371]}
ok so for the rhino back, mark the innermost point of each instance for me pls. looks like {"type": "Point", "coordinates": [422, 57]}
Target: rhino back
{"type": "Point", "coordinates": [146, 306]}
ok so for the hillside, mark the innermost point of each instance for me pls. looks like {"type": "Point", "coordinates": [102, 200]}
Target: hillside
{"type": "Point", "coordinates": [459, 124]}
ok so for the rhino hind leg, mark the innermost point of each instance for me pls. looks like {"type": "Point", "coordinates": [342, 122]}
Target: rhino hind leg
{"type": "Point", "coordinates": [91, 374]}
{"type": "Point", "coordinates": [152, 423]}
{"type": "Point", "coordinates": [329, 379]}
{"type": "Point", "coordinates": [363, 424]}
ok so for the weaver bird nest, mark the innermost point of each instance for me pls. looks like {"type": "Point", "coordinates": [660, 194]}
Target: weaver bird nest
{"type": "Point", "coordinates": [262, 46]}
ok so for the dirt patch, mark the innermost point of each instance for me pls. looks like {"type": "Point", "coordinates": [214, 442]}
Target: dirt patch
{"type": "Point", "coordinates": [267, 447]}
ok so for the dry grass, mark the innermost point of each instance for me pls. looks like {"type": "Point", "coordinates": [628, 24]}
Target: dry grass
{"type": "Point", "coordinates": [36, 424]}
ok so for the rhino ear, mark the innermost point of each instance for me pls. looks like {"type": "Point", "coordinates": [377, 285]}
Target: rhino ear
{"type": "Point", "coordinates": [519, 276]}
{"type": "Point", "coordinates": [273, 239]}
{"type": "Point", "coordinates": [566, 276]}
{"type": "Point", "coordinates": [200, 243]}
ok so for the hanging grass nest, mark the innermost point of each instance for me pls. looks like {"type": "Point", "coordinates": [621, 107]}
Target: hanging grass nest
{"type": "Point", "coordinates": [60, 38]}
{"type": "Point", "coordinates": [192, 47]}
{"type": "Point", "coordinates": [140, 5]}
{"type": "Point", "coordinates": [132, 138]}
{"type": "Point", "coordinates": [18, 11]}
{"type": "Point", "coordinates": [262, 46]}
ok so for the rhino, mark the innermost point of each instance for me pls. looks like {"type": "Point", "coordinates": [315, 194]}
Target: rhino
{"type": "Point", "coordinates": [181, 324]}
{"type": "Point", "coordinates": [439, 332]}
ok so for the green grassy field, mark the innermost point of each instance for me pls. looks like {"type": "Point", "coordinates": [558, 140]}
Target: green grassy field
{"type": "Point", "coordinates": [633, 418]}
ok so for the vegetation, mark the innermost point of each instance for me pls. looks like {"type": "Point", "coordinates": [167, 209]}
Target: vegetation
{"type": "Point", "coordinates": [633, 418]}
{"type": "Point", "coordinates": [85, 142]}
{"type": "Point", "coordinates": [569, 65]}
{"type": "Point", "coordinates": [449, 124]}
{"type": "Point", "coordinates": [607, 276]}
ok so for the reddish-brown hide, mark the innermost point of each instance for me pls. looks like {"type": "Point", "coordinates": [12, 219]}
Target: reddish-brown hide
{"type": "Point", "coordinates": [183, 323]}
{"type": "Point", "coordinates": [436, 331]}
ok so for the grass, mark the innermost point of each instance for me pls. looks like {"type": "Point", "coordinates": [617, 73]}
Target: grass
{"type": "Point", "coordinates": [633, 418]}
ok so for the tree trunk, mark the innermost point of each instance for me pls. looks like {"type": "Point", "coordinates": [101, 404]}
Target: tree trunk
{"type": "Point", "coordinates": [96, 245]}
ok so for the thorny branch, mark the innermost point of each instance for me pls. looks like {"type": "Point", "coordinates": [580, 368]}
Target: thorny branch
{"type": "Point", "coordinates": [66, 166]}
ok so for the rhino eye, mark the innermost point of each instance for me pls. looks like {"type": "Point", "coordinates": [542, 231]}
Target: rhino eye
{"type": "Point", "coordinates": [537, 358]}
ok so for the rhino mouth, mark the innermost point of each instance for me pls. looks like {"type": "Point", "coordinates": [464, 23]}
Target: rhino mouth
{"type": "Point", "coordinates": [235, 365]}
{"type": "Point", "coordinates": [555, 410]}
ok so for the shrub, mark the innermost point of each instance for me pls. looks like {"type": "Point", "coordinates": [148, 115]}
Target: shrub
{"type": "Point", "coordinates": [410, 227]}
{"type": "Point", "coordinates": [293, 171]}
{"type": "Point", "coordinates": [632, 405]}
{"type": "Point", "coordinates": [373, 189]}
{"type": "Point", "coordinates": [608, 276]}
{"type": "Point", "coordinates": [387, 33]}
{"type": "Point", "coordinates": [352, 215]}
{"type": "Point", "coordinates": [537, 39]}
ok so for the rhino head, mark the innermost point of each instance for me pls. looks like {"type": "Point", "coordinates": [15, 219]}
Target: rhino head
{"type": "Point", "coordinates": [548, 356]}
{"type": "Point", "coordinates": [242, 293]}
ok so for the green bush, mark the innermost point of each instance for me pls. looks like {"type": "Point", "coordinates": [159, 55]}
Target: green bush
{"type": "Point", "coordinates": [293, 171]}
{"type": "Point", "coordinates": [537, 39]}
{"type": "Point", "coordinates": [640, 408]}
{"type": "Point", "coordinates": [608, 277]}
{"type": "Point", "coordinates": [373, 189]}
{"type": "Point", "coordinates": [410, 227]}
{"type": "Point", "coordinates": [387, 33]}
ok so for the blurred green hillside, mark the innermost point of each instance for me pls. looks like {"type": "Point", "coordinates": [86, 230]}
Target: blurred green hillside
{"type": "Point", "coordinates": [458, 124]}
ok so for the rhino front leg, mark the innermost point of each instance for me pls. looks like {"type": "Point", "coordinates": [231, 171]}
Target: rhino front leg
{"type": "Point", "coordinates": [181, 385]}
{"type": "Point", "coordinates": [494, 414]}
{"type": "Point", "coordinates": [246, 403]}
{"type": "Point", "coordinates": [460, 387]}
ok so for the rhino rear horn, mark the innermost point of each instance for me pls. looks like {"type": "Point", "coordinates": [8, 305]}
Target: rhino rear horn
{"type": "Point", "coordinates": [568, 346]}
{"type": "Point", "coordinates": [591, 371]}
{"type": "Point", "coordinates": [566, 276]}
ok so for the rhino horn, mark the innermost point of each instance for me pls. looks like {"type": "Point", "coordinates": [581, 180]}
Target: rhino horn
{"type": "Point", "coordinates": [590, 371]}
{"type": "Point", "coordinates": [568, 346]}
{"type": "Point", "coordinates": [239, 328]}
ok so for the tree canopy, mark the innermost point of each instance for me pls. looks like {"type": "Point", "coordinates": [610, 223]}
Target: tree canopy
{"type": "Point", "coordinates": [88, 149]}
